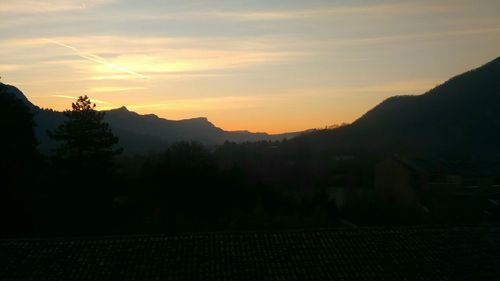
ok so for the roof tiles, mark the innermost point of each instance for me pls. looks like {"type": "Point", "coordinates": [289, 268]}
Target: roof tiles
{"type": "Point", "coordinates": [405, 253]}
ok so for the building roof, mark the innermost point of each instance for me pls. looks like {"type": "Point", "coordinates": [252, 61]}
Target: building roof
{"type": "Point", "coordinates": [403, 253]}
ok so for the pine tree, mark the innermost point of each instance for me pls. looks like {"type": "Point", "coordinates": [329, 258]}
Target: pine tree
{"type": "Point", "coordinates": [87, 141]}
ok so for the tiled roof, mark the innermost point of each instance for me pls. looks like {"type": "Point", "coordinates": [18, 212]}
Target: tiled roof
{"type": "Point", "coordinates": [406, 253]}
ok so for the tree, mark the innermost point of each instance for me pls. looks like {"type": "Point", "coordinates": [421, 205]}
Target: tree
{"type": "Point", "coordinates": [87, 142]}
{"type": "Point", "coordinates": [19, 165]}
{"type": "Point", "coordinates": [81, 194]}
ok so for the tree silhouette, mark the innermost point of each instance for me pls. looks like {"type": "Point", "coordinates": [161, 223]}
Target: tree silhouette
{"type": "Point", "coordinates": [87, 141]}
{"type": "Point", "coordinates": [19, 164]}
{"type": "Point", "coordinates": [83, 167]}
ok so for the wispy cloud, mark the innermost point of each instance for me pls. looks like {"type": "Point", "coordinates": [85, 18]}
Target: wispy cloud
{"type": "Point", "coordinates": [48, 6]}
{"type": "Point", "coordinates": [148, 57]}
{"type": "Point", "coordinates": [203, 104]}
{"type": "Point", "coordinates": [416, 86]}
{"type": "Point", "coordinates": [99, 60]}
{"type": "Point", "coordinates": [402, 87]}
{"type": "Point", "coordinates": [75, 98]}
{"type": "Point", "coordinates": [28, 12]}
{"type": "Point", "coordinates": [383, 39]}
{"type": "Point", "coordinates": [107, 89]}
{"type": "Point", "coordinates": [10, 67]}
{"type": "Point", "coordinates": [119, 58]}
{"type": "Point", "coordinates": [195, 60]}
{"type": "Point", "coordinates": [296, 62]}
{"type": "Point", "coordinates": [311, 13]}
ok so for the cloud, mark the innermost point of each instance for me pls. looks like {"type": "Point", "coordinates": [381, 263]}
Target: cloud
{"type": "Point", "coordinates": [108, 61]}
{"type": "Point", "coordinates": [203, 104]}
{"type": "Point", "coordinates": [146, 57]}
{"type": "Point", "coordinates": [31, 13]}
{"type": "Point", "coordinates": [384, 39]}
{"type": "Point", "coordinates": [195, 60]}
{"type": "Point", "coordinates": [326, 11]}
{"type": "Point", "coordinates": [402, 87]}
{"type": "Point", "coordinates": [113, 89]}
{"type": "Point", "coordinates": [75, 98]}
{"type": "Point", "coordinates": [48, 6]}
{"type": "Point", "coordinates": [415, 87]}
{"type": "Point", "coordinates": [10, 67]}
{"type": "Point", "coordinates": [293, 96]}
{"type": "Point", "coordinates": [99, 60]}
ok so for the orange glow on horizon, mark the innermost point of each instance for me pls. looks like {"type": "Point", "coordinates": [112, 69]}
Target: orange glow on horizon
{"type": "Point", "coordinates": [259, 67]}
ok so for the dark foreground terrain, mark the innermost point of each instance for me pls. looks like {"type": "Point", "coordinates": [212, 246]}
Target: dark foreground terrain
{"type": "Point", "coordinates": [192, 211]}
{"type": "Point", "coordinates": [396, 253]}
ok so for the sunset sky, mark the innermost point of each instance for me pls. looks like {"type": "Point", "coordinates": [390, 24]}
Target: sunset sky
{"type": "Point", "coordinates": [271, 66]}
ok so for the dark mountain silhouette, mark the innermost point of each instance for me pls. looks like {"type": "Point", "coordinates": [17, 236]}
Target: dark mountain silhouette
{"type": "Point", "coordinates": [199, 129]}
{"type": "Point", "coordinates": [14, 92]}
{"type": "Point", "coordinates": [143, 133]}
{"type": "Point", "coordinates": [460, 118]}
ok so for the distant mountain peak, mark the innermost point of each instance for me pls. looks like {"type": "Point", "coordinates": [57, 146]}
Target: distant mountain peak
{"type": "Point", "coordinates": [120, 111]}
{"type": "Point", "coordinates": [200, 119]}
{"type": "Point", "coordinates": [122, 108]}
{"type": "Point", "coordinates": [14, 91]}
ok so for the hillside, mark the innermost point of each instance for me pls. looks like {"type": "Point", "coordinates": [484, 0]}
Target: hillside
{"type": "Point", "coordinates": [142, 133]}
{"type": "Point", "coordinates": [460, 118]}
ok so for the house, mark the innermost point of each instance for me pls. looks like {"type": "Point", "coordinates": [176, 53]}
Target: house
{"type": "Point", "coordinates": [450, 192]}
{"type": "Point", "coordinates": [400, 181]}
{"type": "Point", "coordinates": [367, 253]}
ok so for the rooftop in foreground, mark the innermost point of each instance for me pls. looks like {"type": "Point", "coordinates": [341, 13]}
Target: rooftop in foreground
{"type": "Point", "coordinates": [403, 253]}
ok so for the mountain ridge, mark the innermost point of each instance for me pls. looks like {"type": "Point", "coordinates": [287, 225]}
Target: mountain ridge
{"type": "Point", "coordinates": [142, 133]}
{"type": "Point", "coordinates": [459, 118]}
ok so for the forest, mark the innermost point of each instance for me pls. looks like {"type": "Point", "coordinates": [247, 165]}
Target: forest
{"type": "Point", "coordinates": [88, 186]}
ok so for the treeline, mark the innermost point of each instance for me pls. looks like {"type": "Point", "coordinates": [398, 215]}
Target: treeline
{"type": "Point", "coordinates": [86, 187]}
{"type": "Point", "coordinates": [89, 187]}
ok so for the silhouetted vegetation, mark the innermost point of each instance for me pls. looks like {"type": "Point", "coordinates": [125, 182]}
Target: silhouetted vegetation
{"type": "Point", "coordinates": [87, 142]}
{"type": "Point", "coordinates": [19, 163]}
{"type": "Point", "coordinates": [376, 171]}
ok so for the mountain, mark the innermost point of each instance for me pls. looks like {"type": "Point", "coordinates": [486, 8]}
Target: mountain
{"type": "Point", "coordinates": [199, 129]}
{"type": "Point", "coordinates": [13, 91]}
{"type": "Point", "coordinates": [460, 119]}
{"type": "Point", "coordinates": [142, 133]}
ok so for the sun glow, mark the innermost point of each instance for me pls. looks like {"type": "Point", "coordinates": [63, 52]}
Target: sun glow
{"type": "Point", "coordinates": [257, 66]}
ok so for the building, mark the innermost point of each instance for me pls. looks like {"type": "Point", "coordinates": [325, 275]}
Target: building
{"type": "Point", "coordinates": [450, 192]}
{"type": "Point", "coordinates": [397, 253]}
{"type": "Point", "coordinates": [400, 181]}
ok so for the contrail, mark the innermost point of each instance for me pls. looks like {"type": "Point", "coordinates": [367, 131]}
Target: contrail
{"type": "Point", "coordinates": [74, 98]}
{"type": "Point", "coordinates": [97, 59]}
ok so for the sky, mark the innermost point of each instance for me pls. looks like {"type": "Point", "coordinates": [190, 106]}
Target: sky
{"type": "Point", "coordinates": [264, 66]}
